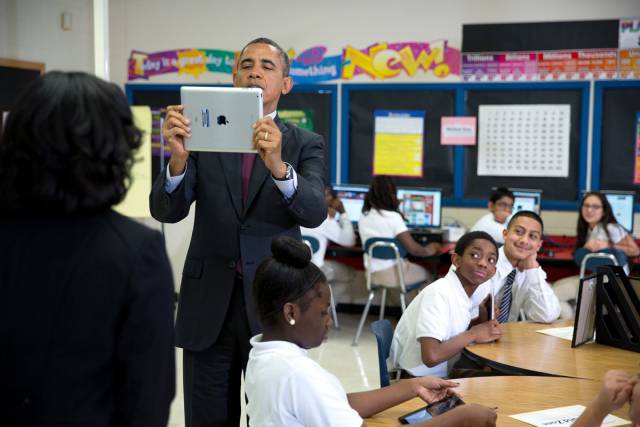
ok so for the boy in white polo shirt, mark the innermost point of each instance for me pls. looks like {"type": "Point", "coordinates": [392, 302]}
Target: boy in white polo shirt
{"type": "Point", "coordinates": [435, 326]}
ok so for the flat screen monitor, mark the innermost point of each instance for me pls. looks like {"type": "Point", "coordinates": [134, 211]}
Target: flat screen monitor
{"type": "Point", "coordinates": [622, 205]}
{"type": "Point", "coordinates": [421, 207]}
{"type": "Point", "coordinates": [352, 197]}
{"type": "Point", "coordinates": [526, 200]}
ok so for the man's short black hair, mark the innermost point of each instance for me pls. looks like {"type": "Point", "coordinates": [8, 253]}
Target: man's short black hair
{"type": "Point", "coordinates": [499, 193]}
{"type": "Point", "coordinates": [528, 214]}
{"type": "Point", "coordinates": [283, 55]}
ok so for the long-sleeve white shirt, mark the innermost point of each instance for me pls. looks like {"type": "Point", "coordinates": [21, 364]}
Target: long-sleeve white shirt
{"type": "Point", "coordinates": [340, 232]}
{"type": "Point", "coordinates": [530, 292]}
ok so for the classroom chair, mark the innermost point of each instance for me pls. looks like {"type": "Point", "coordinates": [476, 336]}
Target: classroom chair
{"type": "Point", "coordinates": [314, 246]}
{"type": "Point", "coordinates": [383, 331]}
{"type": "Point", "coordinates": [383, 248]}
{"type": "Point", "coordinates": [566, 289]}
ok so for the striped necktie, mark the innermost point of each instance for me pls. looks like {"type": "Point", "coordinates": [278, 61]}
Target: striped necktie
{"type": "Point", "coordinates": [505, 302]}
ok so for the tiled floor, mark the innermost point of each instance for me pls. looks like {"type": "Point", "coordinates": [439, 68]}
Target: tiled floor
{"type": "Point", "coordinates": [356, 367]}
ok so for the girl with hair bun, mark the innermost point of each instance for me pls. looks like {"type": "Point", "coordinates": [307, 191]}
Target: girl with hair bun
{"type": "Point", "coordinates": [285, 387]}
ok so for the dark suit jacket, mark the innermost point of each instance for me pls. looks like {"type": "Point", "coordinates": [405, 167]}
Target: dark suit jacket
{"type": "Point", "coordinates": [225, 232]}
{"type": "Point", "coordinates": [86, 322]}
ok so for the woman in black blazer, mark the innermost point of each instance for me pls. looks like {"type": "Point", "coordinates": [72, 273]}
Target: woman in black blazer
{"type": "Point", "coordinates": [86, 295]}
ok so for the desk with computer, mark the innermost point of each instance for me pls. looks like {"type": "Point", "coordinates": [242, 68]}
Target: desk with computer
{"type": "Point", "coordinates": [422, 208]}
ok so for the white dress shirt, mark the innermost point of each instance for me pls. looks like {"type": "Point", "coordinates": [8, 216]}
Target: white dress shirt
{"type": "Point", "coordinates": [380, 223]}
{"type": "Point", "coordinates": [530, 292]}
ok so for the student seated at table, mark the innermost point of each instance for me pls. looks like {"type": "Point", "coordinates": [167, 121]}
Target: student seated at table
{"type": "Point", "coordinates": [381, 218]}
{"type": "Point", "coordinates": [500, 208]}
{"type": "Point", "coordinates": [437, 325]}
{"type": "Point", "coordinates": [286, 388]}
{"type": "Point", "coordinates": [339, 231]}
{"type": "Point", "coordinates": [520, 284]}
{"type": "Point", "coordinates": [598, 230]}
{"type": "Point", "coordinates": [618, 388]}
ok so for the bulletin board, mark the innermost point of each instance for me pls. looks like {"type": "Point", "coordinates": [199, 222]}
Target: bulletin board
{"type": "Point", "coordinates": [616, 104]}
{"type": "Point", "coordinates": [557, 191]}
{"type": "Point", "coordinates": [359, 102]}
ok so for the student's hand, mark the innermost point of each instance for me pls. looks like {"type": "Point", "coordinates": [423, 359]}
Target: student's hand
{"type": "Point", "coordinates": [433, 248]}
{"type": "Point", "coordinates": [486, 332]}
{"type": "Point", "coordinates": [615, 392]}
{"type": "Point", "coordinates": [470, 415]}
{"type": "Point", "coordinates": [336, 204]}
{"type": "Point", "coordinates": [596, 245]}
{"type": "Point", "coordinates": [175, 129]}
{"type": "Point", "coordinates": [432, 389]}
{"type": "Point", "coordinates": [267, 139]}
{"type": "Point", "coordinates": [529, 262]}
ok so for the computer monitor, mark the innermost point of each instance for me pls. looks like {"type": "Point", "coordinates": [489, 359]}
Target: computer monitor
{"type": "Point", "coordinates": [421, 207]}
{"type": "Point", "coordinates": [622, 205]}
{"type": "Point", "coordinates": [526, 200]}
{"type": "Point", "coordinates": [352, 197]}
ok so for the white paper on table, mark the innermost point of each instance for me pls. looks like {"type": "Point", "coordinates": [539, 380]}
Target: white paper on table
{"type": "Point", "coordinates": [564, 416]}
{"type": "Point", "coordinates": [565, 333]}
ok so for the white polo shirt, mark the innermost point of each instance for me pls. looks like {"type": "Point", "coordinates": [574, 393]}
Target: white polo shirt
{"type": "Point", "coordinates": [489, 225]}
{"type": "Point", "coordinates": [340, 232]}
{"type": "Point", "coordinates": [383, 223]}
{"type": "Point", "coordinates": [442, 310]}
{"type": "Point", "coordinates": [286, 388]}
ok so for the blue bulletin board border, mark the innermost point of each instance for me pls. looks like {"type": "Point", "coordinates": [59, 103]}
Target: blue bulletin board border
{"type": "Point", "coordinates": [600, 88]}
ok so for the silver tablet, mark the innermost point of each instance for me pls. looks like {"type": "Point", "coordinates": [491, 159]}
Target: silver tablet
{"type": "Point", "coordinates": [221, 117]}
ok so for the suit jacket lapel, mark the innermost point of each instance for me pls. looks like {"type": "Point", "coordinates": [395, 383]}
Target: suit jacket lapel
{"type": "Point", "coordinates": [260, 172]}
{"type": "Point", "coordinates": [230, 164]}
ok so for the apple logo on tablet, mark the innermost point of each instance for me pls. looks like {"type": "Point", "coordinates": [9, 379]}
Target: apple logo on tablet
{"type": "Point", "coordinates": [222, 120]}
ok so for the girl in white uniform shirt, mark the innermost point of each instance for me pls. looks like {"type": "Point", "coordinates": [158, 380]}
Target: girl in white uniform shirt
{"type": "Point", "coordinates": [286, 388]}
{"type": "Point", "coordinates": [381, 218]}
{"type": "Point", "coordinates": [437, 325]}
{"type": "Point", "coordinates": [598, 229]}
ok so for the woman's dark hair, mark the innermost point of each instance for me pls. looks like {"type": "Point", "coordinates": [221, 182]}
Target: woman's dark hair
{"type": "Point", "coordinates": [381, 195]}
{"type": "Point", "coordinates": [67, 147]}
{"type": "Point", "coordinates": [608, 217]}
{"type": "Point", "coordinates": [463, 243]}
{"type": "Point", "coordinates": [286, 276]}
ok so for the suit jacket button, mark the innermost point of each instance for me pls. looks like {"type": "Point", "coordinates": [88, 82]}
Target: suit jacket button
{"type": "Point", "coordinates": [231, 264]}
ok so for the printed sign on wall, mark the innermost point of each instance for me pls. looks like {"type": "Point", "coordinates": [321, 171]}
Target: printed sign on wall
{"type": "Point", "coordinates": [398, 142]}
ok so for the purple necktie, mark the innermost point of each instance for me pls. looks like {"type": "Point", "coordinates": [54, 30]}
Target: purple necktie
{"type": "Point", "coordinates": [247, 164]}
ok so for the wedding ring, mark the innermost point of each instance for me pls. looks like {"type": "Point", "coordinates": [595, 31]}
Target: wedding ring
{"type": "Point", "coordinates": [266, 135]}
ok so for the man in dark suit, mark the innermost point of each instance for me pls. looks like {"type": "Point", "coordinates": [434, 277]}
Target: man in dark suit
{"type": "Point", "coordinates": [243, 202]}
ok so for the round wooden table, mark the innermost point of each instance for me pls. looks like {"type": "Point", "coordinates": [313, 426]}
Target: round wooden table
{"type": "Point", "coordinates": [511, 395]}
{"type": "Point", "coordinates": [522, 350]}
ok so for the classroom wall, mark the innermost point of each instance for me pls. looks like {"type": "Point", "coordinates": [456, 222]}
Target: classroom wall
{"type": "Point", "coordinates": [30, 30]}
{"type": "Point", "coordinates": [300, 24]}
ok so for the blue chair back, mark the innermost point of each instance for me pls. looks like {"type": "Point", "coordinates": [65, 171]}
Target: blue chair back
{"type": "Point", "coordinates": [593, 263]}
{"type": "Point", "coordinates": [313, 243]}
{"type": "Point", "coordinates": [384, 252]}
{"type": "Point", "coordinates": [383, 331]}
